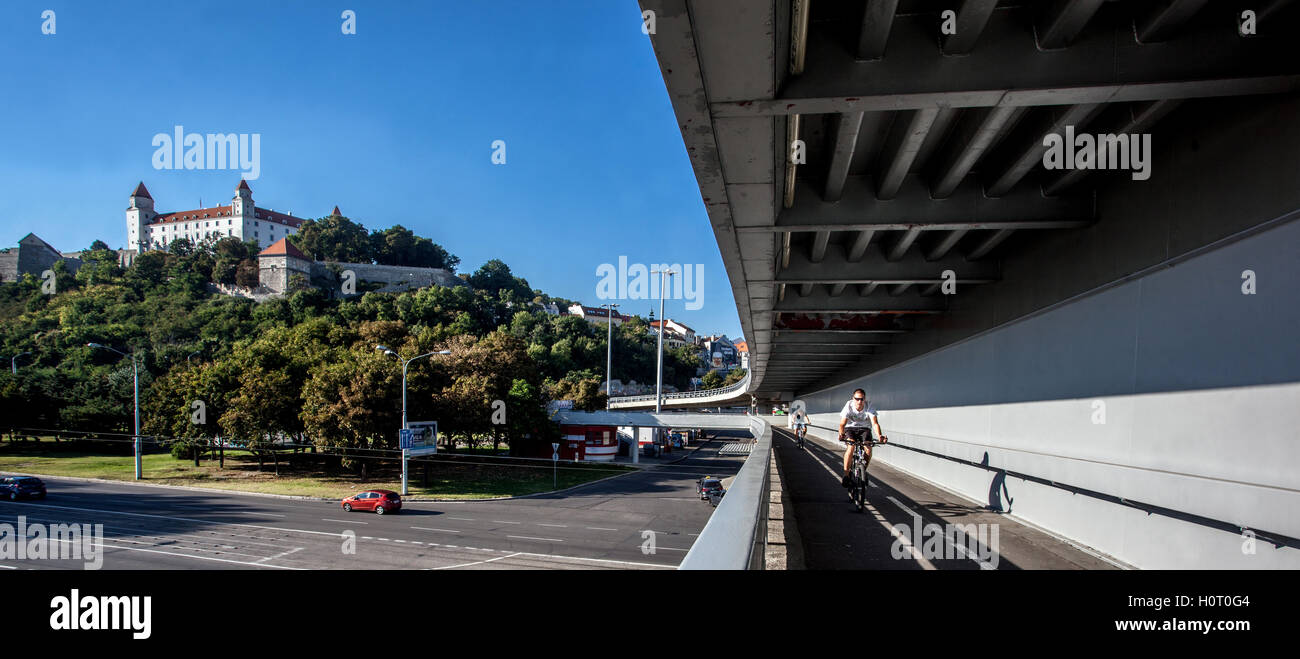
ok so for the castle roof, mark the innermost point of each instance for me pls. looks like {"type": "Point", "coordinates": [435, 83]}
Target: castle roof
{"type": "Point", "coordinates": [225, 211]}
{"type": "Point", "coordinates": [283, 247]}
{"type": "Point", "coordinates": [336, 211]}
{"type": "Point", "coordinates": [141, 191]}
{"type": "Point", "coordinates": [243, 185]}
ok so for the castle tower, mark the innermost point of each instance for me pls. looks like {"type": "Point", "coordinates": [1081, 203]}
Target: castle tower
{"type": "Point", "coordinates": [242, 204]}
{"type": "Point", "coordinates": [138, 215]}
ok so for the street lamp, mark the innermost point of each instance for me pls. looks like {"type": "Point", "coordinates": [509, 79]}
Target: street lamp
{"type": "Point", "coordinates": [659, 370]}
{"type": "Point", "coordinates": [13, 363]}
{"type": "Point", "coordinates": [609, 349]}
{"type": "Point", "coordinates": [135, 371]}
{"type": "Point", "coordinates": [189, 356]}
{"type": "Point", "coordinates": [405, 363]}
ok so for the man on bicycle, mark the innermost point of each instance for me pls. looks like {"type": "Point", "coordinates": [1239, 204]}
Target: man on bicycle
{"type": "Point", "coordinates": [800, 423]}
{"type": "Point", "coordinates": [856, 420]}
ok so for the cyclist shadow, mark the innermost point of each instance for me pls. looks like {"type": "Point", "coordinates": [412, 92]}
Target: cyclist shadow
{"type": "Point", "coordinates": [998, 488]}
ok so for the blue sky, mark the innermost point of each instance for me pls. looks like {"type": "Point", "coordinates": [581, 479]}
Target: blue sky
{"type": "Point", "coordinates": [394, 124]}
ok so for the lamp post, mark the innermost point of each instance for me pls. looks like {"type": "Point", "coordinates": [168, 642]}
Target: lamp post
{"type": "Point", "coordinates": [405, 363]}
{"type": "Point", "coordinates": [609, 350]}
{"type": "Point", "coordinates": [659, 370]}
{"type": "Point", "coordinates": [13, 362]}
{"type": "Point", "coordinates": [135, 372]}
{"type": "Point", "coordinates": [191, 355]}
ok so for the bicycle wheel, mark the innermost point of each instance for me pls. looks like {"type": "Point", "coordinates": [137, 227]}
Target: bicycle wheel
{"type": "Point", "coordinates": [860, 486]}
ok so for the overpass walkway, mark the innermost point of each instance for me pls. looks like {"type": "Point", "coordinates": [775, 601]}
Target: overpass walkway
{"type": "Point", "coordinates": [833, 535]}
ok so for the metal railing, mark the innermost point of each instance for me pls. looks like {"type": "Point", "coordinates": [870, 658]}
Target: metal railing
{"type": "Point", "coordinates": [735, 537]}
{"type": "Point", "coordinates": [740, 386]}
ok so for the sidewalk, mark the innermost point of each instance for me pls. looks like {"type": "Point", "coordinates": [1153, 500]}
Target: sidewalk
{"type": "Point", "coordinates": [835, 536]}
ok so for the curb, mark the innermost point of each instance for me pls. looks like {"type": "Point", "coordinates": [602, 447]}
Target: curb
{"type": "Point", "coordinates": [299, 497]}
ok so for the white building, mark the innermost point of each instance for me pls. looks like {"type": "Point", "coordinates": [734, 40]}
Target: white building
{"type": "Point", "coordinates": [147, 229]}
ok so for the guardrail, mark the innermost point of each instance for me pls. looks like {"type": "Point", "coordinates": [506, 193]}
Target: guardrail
{"type": "Point", "coordinates": [740, 386]}
{"type": "Point", "coordinates": [735, 537]}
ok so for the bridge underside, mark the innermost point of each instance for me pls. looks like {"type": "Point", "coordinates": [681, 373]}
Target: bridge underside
{"type": "Point", "coordinates": [922, 155]}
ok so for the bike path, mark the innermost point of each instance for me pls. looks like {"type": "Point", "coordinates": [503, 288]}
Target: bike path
{"type": "Point", "coordinates": [835, 536]}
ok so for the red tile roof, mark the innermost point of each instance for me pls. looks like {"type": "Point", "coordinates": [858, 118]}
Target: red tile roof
{"type": "Point", "coordinates": [243, 185]}
{"type": "Point", "coordinates": [141, 191]}
{"type": "Point", "coordinates": [224, 211]}
{"type": "Point", "coordinates": [336, 211]}
{"type": "Point", "coordinates": [283, 247]}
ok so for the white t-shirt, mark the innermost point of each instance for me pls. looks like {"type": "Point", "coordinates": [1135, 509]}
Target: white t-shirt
{"type": "Point", "coordinates": [858, 419]}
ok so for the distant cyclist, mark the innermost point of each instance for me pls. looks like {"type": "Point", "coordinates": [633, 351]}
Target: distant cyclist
{"type": "Point", "coordinates": [800, 424]}
{"type": "Point", "coordinates": [856, 420]}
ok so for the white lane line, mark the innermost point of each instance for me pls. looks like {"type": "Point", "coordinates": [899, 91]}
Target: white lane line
{"type": "Point", "coordinates": [422, 528]}
{"type": "Point", "coordinates": [267, 514]}
{"type": "Point", "coordinates": [599, 560]}
{"type": "Point", "coordinates": [448, 567]}
{"type": "Point", "coordinates": [902, 537]}
{"type": "Point", "coordinates": [283, 553]}
{"type": "Point", "coordinates": [961, 548]}
{"type": "Point", "coordinates": [560, 526]}
{"type": "Point", "coordinates": [463, 519]}
{"type": "Point", "coordinates": [170, 553]}
{"type": "Point", "coordinates": [333, 534]}
{"type": "Point", "coordinates": [670, 549]}
{"type": "Point", "coordinates": [398, 540]}
{"type": "Point", "coordinates": [597, 528]}
{"type": "Point", "coordinates": [524, 537]}
{"type": "Point", "coordinates": [341, 521]}
{"type": "Point", "coordinates": [8, 567]}
{"type": "Point", "coordinates": [498, 521]}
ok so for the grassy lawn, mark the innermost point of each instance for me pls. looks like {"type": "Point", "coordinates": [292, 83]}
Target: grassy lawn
{"type": "Point", "coordinates": [446, 480]}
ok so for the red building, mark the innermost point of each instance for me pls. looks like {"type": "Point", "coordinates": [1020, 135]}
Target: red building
{"type": "Point", "coordinates": [595, 443]}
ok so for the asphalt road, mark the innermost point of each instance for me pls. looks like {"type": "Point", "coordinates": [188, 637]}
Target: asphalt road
{"type": "Point", "coordinates": [605, 525]}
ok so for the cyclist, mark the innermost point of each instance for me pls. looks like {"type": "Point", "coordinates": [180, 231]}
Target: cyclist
{"type": "Point", "coordinates": [800, 423]}
{"type": "Point", "coordinates": [856, 420]}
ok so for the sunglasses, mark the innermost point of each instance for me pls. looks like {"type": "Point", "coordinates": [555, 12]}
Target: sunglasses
{"type": "Point", "coordinates": [856, 398]}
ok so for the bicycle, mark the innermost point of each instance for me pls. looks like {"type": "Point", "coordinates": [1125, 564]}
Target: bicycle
{"type": "Point", "coordinates": [858, 471]}
{"type": "Point", "coordinates": [799, 432]}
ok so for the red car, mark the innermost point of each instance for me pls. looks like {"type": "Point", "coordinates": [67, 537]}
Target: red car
{"type": "Point", "coordinates": [380, 501]}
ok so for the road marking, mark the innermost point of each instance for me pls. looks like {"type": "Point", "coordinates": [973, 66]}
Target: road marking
{"type": "Point", "coordinates": [448, 567]}
{"type": "Point", "coordinates": [498, 521]}
{"type": "Point", "coordinates": [912, 552]}
{"type": "Point", "coordinates": [334, 534]}
{"type": "Point", "coordinates": [562, 526]}
{"type": "Point", "coordinates": [341, 521]}
{"type": "Point", "coordinates": [599, 560]}
{"type": "Point", "coordinates": [398, 540]}
{"type": "Point", "coordinates": [438, 530]}
{"type": "Point", "coordinates": [597, 528]}
{"type": "Point", "coordinates": [670, 549]}
{"type": "Point", "coordinates": [961, 549]}
{"type": "Point", "coordinates": [8, 567]}
{"type": "Point", "coordinates": [262, 513]}
{"type": "Point", "coordinates": [524, 537]}
{"type": "Point", "coordinates": [283, 553]}
{"type": "Point", "coordinates": [463, 519]}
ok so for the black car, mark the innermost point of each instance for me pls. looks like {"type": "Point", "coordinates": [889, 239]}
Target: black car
{"type": "Point", "coordinates": [709, 485]}
{"type": "Point", "coordinates": [21, 487]}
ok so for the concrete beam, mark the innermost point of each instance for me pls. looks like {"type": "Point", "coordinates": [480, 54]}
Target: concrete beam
{"type": "Point", "coordinates": [877, 19]}
{"type": "Point", "coordinates": [870, 304]}
{"type": "Point", "coordinates": [844, 140]}
{"type": "Point", "coordinates": [1165, 18]}
{"type": "Point", "coordinates": [1065, 21]}
{"type": "Point", "coordinates": [966, 208]}
{"type": "Point", "coordinates": [902, 148]}
{"type": "Point", "coordinates": [976, 138]}
{"type": "Point", "coordinates": [1105, 65]}
{"type": "Point", "coordinates": [1030, 153]}
{"type": "Point", "coordinates": [875, 268]}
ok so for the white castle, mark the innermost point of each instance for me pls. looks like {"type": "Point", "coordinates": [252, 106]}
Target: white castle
{"type": "Point", "coordinates": [147, 229]}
